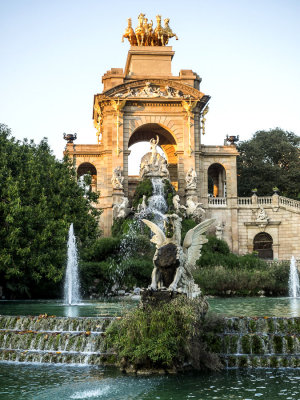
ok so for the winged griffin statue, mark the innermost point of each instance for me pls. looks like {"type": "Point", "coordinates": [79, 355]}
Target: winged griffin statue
{"type": "Point", "coordinates": [173, 263]}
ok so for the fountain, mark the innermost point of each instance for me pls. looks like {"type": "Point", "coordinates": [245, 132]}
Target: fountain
{"type": "Point", "coordinates": [294, 286]}
{"type": "Point", "coordinates": [71, 287]}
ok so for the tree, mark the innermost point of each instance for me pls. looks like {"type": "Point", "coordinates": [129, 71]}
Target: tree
{"type": "Point", "coordinates": [39, 198]}
{"type": "Point", "coordinates": [270, 159]}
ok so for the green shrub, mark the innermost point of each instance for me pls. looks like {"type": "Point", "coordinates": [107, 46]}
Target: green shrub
{"type": "Point", "coordinates": [161, 337]}
{"type": "Point", "coordinates": [215, 245]}
{"type": "Point", "coordinates": [95, 277]}
{"type": "Point", "coordinates": [101, 249]}
{"type": "Point", "coordinates": [143, 188]}
{"type": "Point", "coordinates": [216, 280]}
{"type": "Point", "coordinates": [186, 225]}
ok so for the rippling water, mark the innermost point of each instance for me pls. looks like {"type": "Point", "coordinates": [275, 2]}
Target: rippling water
{"type": "Point", "coordinates": [68, 382]}
{"type": "Point", "coordinates": [233, 307]}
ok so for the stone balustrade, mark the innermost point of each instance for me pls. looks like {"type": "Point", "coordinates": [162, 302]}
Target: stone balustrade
{"type": "Point", "coordinates": [286, 202]}
{"type": "Point", "coordinates": [217, 201]}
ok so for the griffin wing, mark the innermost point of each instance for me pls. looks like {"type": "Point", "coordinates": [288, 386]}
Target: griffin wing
{"type": "Point", "coordinates": [194, 240]}
{"type": "Point", "coordinates": [158, 235]}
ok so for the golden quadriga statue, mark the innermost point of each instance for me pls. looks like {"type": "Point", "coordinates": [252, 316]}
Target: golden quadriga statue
{"type": "Point", "coordinates": [145, 35]}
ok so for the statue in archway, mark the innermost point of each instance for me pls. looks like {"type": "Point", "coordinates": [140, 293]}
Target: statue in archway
{"type": "Point", "coordinates": [153, 146]}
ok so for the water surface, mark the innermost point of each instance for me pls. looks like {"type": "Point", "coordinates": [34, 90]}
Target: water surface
{"type": "Point", "coordinates": [70, 382]}
{"type": "Point", "coordinates": [230, 307]}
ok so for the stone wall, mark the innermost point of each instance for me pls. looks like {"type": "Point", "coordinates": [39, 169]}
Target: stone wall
{"type": "Point", "coordinates": [245, 342]}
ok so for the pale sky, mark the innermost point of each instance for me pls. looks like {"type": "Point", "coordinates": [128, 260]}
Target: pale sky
{"type": "Point", "coordinates": [53, 54]}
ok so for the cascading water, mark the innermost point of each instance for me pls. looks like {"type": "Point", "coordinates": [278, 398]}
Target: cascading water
{"type": "Point", "coordinates": [294, 286]}
{"type": "Point", "coordinates": [71, 288]}
{"type": "Point", "coordinates": [157, 204]}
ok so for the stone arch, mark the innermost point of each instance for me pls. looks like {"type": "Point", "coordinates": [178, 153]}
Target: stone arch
{"type": "Point", "coordinates": [217, 180]}
{"type": "Point", "coordinates": [88, 168]}
{"type": "Point", "coordinates": [167, 141]}
{"type": "Point", "coordinates": [263, 244]}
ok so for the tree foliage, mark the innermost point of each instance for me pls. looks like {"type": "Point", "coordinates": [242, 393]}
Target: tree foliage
{"type": "Point", "coordinates": [39, 198]}
{"type": "Point", "coordinates": [270, 159]}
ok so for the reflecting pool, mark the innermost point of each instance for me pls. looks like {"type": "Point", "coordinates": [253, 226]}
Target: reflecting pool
{"type": "Point", "coordinates": [256, 306]}
{"type": "Point", "coordinates": [95, 308]}
{"type": "Point", "coordinates": [232, 307]}
{"type": "Point", "coordinates": [69, 382]}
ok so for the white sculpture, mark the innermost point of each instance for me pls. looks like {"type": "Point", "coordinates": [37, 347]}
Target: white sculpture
{"type": "Point", "coordinates": [219, 231]}
{"type": "Point", "coordinates": [262, 215]}
{"type": "Point", "coordinates": [121, 210]}
{"type": "Point", "coordinates": [153, 146]}
{"type": "Point", "coordinates": [117, 178]}
{"type": "Point", "coordinates": [179, 208]}
{"type": "Point", "coordinates": [194, 209]}
{"type": "Point", "coordinates": [153, 164]}
{"type": "Point", "coordinates": [173, 263]}
{"type": "Point", "coordinates": [191, 179]}
{"type": "Point", "coordinates": [142, 207]}
{"type": "Point", "coordinates": [163, 169]}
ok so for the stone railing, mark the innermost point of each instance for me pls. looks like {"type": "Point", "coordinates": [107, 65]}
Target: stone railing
{"type": "Point", "coordinates": [264, 200]}
{"type": "Point", "coordinates": [255, 200]}
{"type": "Point", "coordinates": [217, 201]}
{"type": "Point", "coordinates": [286, 202]}
{"type": "Point", "coordinates": [244, 201]}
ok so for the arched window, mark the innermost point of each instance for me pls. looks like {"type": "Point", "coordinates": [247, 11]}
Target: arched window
{"type": "Point", "coordinates": [87, 169]}
{"type": "Point", "coordinates": [263, 244]}
{"type": "Point", "coordinates": [217, 180]}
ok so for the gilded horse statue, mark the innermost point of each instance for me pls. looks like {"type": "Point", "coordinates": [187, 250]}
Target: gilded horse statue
{"type": "Point", "coordinates": [167, 32]}
{"type": "Point", "coordinates": [158, 33]}
{"type": "Point", "coordinates": [144, 35]}
{"type": "Point", "coordinates": [140, 30]}
{"type": "Point", "coordinates": [129, 34]}
{"type": "Point", "coordinates": [148, 32]}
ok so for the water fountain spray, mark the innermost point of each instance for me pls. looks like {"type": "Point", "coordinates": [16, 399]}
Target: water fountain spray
{"type": "Point", "coordinates": [294, 286]}
{"type": "Point", "coordinates": [71, 288]}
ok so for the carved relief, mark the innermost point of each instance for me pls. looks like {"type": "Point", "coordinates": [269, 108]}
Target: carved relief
{"type": "Point", "coordinates": [161, 87]}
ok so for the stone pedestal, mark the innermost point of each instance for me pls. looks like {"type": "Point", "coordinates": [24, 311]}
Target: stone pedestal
{"type": "Point", "coordinates": [191, 193]}
{"type": "Point", "coordinates": [156, 298]}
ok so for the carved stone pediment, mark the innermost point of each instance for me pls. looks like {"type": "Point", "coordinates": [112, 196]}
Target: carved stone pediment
{"type": "Point", "coordinates": [154, 88]}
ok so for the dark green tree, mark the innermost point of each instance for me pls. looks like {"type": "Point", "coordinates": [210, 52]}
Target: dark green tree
{"type": "Point", "coordinates": [39, 198]}
{"type": "Point", "coordinates": [270, 159]}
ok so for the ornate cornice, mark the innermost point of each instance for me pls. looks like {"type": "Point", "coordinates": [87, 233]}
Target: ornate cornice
{"type": "Point", "coordinates": [154, 88]}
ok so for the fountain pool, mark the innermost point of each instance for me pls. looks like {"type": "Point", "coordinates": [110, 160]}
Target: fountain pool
{"type": "Point", "coordinates": [71, 382]}
{"type": "Point", "coordinates": [234, 306]}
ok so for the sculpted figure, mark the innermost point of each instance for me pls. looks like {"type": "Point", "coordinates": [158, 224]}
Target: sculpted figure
{"type": "Point", "coordinates": [117, 178]}
{"type": "Point", "coordinates": [148, 31]}
{"type": "Point", "coordinates": [167, 32]}
{"type": "Point", "coordinates": [153, 146]}
{"type": "Point", "coordinates": [129, 34]}
{"type": "Point", "coordinates": [121, 210]}
{"type": "Point", "coordinates": [140, 30]}
{"type": "Point", "coordinates": [147, 91]}
{"type": "Point", "coordinates": [262, 215]}
{"type": "Point", "coordinates": [145, 168]}
{"type": "Point", "coordinates": [163, 169]}
{"type": "Point", "coordinates": [143, 205]}
{"type": "Point", "coordinates": [173, 263]}
{"type": "Point", "coordinates": [179, 208]}
{"type": "Point", "coordinates": [191, 179]}
{"type": "Point", "coordinates": [219, 231]}
{"type": "Point", "coordinates": [194, 209]}
{"type": "Point", "coordinates": [158, 33]}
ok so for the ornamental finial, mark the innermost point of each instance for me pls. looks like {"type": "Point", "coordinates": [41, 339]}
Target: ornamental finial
{"type": "Point", "coordinates": [145, 35]}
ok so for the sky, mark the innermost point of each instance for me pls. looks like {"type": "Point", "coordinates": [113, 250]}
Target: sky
{"type": "Point", "coordinates": [54, 53]}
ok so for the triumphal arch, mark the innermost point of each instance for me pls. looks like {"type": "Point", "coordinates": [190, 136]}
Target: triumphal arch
{"type": "Point", "coordinates": [145, 101]}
